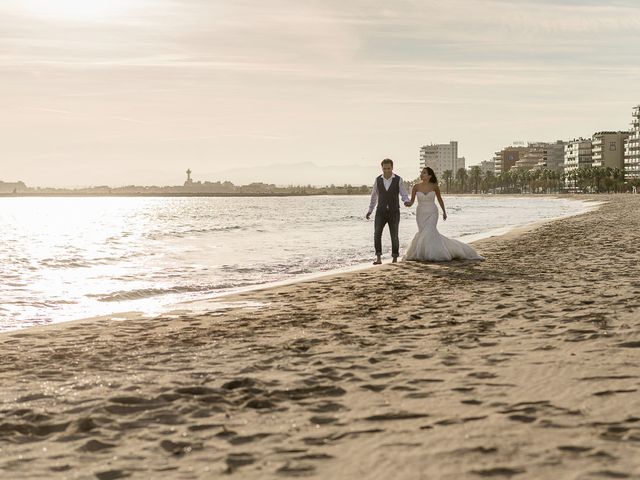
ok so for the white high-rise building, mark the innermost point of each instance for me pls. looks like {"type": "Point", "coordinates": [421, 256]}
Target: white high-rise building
{"type": "Point", "coordinates": [577, 154]}
{"type": "Point", "coordinates": [632, 148]}
{"type": "Point", "coordinates": [441, 157]}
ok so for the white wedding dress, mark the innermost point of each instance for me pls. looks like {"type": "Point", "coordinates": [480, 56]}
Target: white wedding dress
{"type": "Point", "coordinates": [428, 244]}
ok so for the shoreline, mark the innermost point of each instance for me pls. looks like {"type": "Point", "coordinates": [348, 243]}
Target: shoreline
{"type": "Point", "coordinates": [521, 366]}
{"type": "Point", "coordinates": [319, 194]}
{"type": "Point", "coordinates": [505, 233]}
{"type": "Point", "coordinates": [214, 300]}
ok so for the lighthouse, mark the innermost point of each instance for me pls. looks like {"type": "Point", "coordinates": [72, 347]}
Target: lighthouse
{"type": "Point", "coordinates": [189, 180]}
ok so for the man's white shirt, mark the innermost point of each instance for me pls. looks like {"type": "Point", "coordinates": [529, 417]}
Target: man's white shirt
{"type": "Point", "coordinates": [387, 184]}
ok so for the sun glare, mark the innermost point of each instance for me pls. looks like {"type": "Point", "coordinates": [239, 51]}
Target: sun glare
{"type": "Point", "coordinates": [75, 9]}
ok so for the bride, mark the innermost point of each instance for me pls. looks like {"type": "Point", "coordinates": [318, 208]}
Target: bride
{"type": "Point", "coordinates": [428, 244]}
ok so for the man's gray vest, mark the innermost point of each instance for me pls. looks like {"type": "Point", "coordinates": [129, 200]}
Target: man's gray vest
{"type": "Point", "coordinates": [388, 199]}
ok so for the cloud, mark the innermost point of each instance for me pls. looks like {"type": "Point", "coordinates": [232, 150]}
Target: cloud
{"type": "Point", "coordinates": [287, 37]}
{"type": "Point", "coordinates": [287, 80]}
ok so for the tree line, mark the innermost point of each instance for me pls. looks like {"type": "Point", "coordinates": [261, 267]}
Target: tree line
{"type": "Point", "coordinates": [582, 180]}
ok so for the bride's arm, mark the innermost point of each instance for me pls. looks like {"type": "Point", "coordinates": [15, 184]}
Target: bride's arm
{"type": "Point", "coordinates": [441, 202]}
{"type": "Point", "coordinates": [413, 196]}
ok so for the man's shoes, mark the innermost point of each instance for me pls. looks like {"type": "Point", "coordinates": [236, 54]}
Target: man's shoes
{"type": "Point", "coordinates": [395, 260]}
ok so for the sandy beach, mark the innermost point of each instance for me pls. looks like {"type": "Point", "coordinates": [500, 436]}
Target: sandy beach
{"type": "Point", "coordinates": [524, 366]}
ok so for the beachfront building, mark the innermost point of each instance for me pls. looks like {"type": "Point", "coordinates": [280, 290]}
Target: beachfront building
{"type": "Point", "coordinates": [632, 148]}
{"type": "Point", "coordinates": [506, 159]}
{"type": "Point", "coordinates": [534, 155]}
{"type": "Point", "coordinates": [577, 155]}
{"type": "Point", "coordinates": [487, 166]}
{"type": "Point", "coordinates": [441, 157]}
{"type": "Point", "coordinates": [541, 155]}
{"type": "Point", "coordinates": [607, 149]}
{"type": "Point", "coordinates": [553, 156]}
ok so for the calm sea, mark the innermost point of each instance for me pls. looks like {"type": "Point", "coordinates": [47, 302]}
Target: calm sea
{"type": "Point", "coordinates": [69, 258]}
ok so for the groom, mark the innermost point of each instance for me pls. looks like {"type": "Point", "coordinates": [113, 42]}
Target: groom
{"type": "Point", "coordinates": [385, 193]}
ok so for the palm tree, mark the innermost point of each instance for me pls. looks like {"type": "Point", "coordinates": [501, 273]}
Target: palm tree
{"type": "Point", "coordinates": [546, 180]}
{"type": "Point", "coordinates": [447, 176]}
{"type": "Point", "coordinates": [461, 177]}
{"type": "Point", "coordinates": [534, 180]}
{"type": "Point", "coordinates": [489, 181]}
{"type": "Point", "coordinates": [517, 178]}
{"type": "Point", "coordinates": [504, 180]}
{"type": "Point", "coordinates": [558, 181]}
{"type": "Point", "coordinates": [618, 179]}
{"type": "Point", "coordinates": [475, 176]}
{"type": "Point", "coordinates": [574, 175]}
{"type": "Point", "coordinates": [584, 178]}
{"type": "Point", "coordinates": [599, 174]}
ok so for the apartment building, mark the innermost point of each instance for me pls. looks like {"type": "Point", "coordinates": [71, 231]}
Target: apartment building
{"type": "Point", "coordinates": [577, 154]}
{"type": "Point", "coordinates": [607, 149]}
{"type": "Point", "coordinates": [632, 148]}
{"type": "Point", "coordinates": [441, 157]}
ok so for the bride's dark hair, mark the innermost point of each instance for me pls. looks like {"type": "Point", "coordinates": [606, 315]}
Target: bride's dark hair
{"type": "Point", "coordinates": [429, 171]}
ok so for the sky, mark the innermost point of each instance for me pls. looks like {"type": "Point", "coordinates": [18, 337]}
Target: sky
{"type": "Point", "coordinates": [137, 91]}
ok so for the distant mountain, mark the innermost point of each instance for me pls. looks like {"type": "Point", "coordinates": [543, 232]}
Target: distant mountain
{"type": "Point", "coordinates": [305, 173]}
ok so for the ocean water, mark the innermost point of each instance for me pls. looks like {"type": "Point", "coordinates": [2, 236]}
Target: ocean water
{"type": "Point", "coordinates": [68, 258]}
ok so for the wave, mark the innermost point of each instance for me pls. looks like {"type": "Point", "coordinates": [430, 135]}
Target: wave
{"type": "Point", "coordinates": [138, 294]}
{"type": "Point", "coordinates": [192, 231]}
{"type": "Point", "coordinates": [27, 302]}
{"type": "Point", "coordinates": [81, 262]}
{"type": "Point", "coordinates": [74, 262]}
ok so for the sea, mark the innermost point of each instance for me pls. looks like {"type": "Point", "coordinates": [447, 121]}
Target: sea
{"type": "Point", "coordinates": [66, 258]}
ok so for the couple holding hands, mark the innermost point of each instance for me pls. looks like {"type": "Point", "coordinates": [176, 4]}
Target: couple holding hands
{"type": "Point", "coordinates": [428, 245]}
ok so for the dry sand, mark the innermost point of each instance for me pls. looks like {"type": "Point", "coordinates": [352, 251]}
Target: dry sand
{"type": "Point", "coordinates": [524, 366]}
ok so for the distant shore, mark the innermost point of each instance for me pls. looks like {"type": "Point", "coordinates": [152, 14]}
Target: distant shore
{"type": "Point", "coordinates": [227, 195]}
{"type": "Point", "coordinates": [185, 194]}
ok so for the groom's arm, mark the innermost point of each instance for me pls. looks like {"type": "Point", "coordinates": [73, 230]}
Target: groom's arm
{"type": "Point", "coordinates": [374, 199]}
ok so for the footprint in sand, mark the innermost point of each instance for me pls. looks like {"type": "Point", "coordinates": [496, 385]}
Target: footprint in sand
{"type": "Point", "coordinates": [112, 475]}
{"type": "Point", "coordinates": [320, 420]}
{"type": "Point", "coordinates": [237, 460]}
{"type": "Point", "coordinates": [373, 388]}
{"type": "Point", "coordinates": [385, 417]}
{"type": "Point", "coordinates": [498, 472]}
{"type": "Point", "coordinates": [95, 446]}
{"type": "Point", "coordinates": [609, 474]}
{"type": "Point", "coordinates": [244, 439]}
{"type": "Point", "coordinates": [574, 448]}
{"type": "Point", "coordinates": [295, 469]}
{"type": "Point", "coordinates": [179, 448]}
{"type": "Point", "coordinates": [325, 407]}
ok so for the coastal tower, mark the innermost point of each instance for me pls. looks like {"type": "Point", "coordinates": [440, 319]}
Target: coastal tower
{"type": "Point", "coordinates": [189, 180]}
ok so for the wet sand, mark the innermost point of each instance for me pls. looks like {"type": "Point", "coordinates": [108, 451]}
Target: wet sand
{"type": "Point", "coordinates": [524, 366]}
